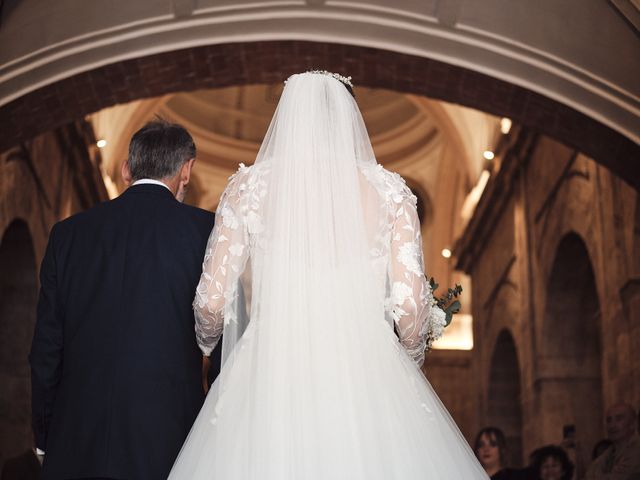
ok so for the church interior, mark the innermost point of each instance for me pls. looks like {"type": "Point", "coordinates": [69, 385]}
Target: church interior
{"type": "Point", "coordinates": [517, 129]}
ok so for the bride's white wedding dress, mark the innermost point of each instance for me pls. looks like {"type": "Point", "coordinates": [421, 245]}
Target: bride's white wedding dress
{"type": "Point", "coordinates": [315, 256]}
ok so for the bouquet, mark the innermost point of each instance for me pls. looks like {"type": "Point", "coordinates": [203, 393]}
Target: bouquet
{"type": "Point", "coordinates": [448, 302]}
{"type": "Point", "coordinates": [447, 305]}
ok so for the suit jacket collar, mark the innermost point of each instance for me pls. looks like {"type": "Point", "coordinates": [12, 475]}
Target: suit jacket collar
{"type": "Point", "coordinates": [149, 189]}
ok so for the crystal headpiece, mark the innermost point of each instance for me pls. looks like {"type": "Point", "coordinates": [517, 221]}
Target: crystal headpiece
{"type": "Point", "coordinates": [337, 76]}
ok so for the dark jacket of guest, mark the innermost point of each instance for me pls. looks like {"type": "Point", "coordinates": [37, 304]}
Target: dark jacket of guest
{"type": "Point", "coordinates": [513, 474]}
{"type": "Point", "coordinates": [116, 371]}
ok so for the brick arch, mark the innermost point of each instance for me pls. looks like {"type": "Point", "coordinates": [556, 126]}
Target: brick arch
{"type": "Point", "coordinates": [242, 63]}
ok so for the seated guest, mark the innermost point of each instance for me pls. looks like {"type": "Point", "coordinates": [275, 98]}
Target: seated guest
{"type": "Point", "coordinates": [490, 448]}
{"type": "Point", "coordinates": [621, 461]}
{"type": "Point", "coordinates": [551, 463]}
{"type": "Point", "coordinates": [600, 447]}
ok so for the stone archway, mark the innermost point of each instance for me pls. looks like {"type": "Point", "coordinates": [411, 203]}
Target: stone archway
{"type": "Point", "coordinates": [569, 379]}
{"type": "Point", "coordinates": [220, 65]}
{"type": "Point", "coordinates": [630, 294]}
{"type": "Point", "coordinates": [635, 248]}
{"type": "Point", "coordinates": [504, 397]}
{"type": "Point", "coordinates": [18, 294]}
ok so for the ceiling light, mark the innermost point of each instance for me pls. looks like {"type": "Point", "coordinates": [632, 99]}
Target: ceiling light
{"type": "Point", "coordinates": [505, 125]}
{"type": "Point", "coordinates": [488, 155]}
{"type": "Point", "coordinates": [446, 253]}
{"type": "Point", "coordinates": [101, 143]}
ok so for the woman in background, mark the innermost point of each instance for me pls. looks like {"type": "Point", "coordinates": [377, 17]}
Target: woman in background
{"type": "Point", "coordinates": [491, 449]}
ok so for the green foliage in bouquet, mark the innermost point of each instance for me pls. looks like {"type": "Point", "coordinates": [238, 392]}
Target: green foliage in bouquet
{"type": "Point", "coordinates": [448, 302]}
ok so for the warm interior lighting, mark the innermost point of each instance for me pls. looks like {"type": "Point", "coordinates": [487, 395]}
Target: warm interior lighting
{"type": "Point", "coordinates": [101, 143]}
{"type": "Point", "coordinates": [505, 125]}
{"type": "Point", "coordinates": [488, 155]}
{"type": "Point", "coordinates": [112, 188]}
{"type": "Point", "coordinates": [473, 198]}
{"type": "Point", "coordinates": [458, 335]}
{"type": "Point", "coordinates": [446, 253]}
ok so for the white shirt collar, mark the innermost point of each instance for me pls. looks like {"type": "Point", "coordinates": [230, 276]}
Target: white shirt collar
{"type": "Point", "coordinates": [150, 181]}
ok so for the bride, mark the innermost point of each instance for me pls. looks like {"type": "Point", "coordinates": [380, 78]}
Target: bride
{"type": "Point", "coordinates": [320, 248]}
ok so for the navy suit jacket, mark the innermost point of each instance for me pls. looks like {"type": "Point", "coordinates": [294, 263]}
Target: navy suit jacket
{"type": "Point", "coordinates": [116, 371]}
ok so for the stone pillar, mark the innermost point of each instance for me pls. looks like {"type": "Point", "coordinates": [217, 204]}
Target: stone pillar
{"type": "Point", "coordinates": [17, 320]}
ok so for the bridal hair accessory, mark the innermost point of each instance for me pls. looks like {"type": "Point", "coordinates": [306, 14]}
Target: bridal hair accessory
{"type": "Point", "coordinates": [337, 76]}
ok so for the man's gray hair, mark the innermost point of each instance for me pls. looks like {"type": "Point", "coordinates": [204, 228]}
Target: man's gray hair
{"type": "Point", "coordinates": [159, 149]}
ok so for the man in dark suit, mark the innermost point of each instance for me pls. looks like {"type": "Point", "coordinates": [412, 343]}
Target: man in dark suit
{"type": "Point", "coordinates": [116, 371]}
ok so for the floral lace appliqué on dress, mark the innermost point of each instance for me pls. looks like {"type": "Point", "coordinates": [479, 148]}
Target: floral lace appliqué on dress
{"type": "Point", "coordinates": [396, 245]}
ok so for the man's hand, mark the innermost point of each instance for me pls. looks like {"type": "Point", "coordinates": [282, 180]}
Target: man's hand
{"type": "Point", "coordinates": [206, 363]}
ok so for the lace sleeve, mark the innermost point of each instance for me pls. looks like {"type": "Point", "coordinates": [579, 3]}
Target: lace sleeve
{"type": "Point", "coordinates": [410, 301]}
{"type": "Point", "coordinates": [224, 261]}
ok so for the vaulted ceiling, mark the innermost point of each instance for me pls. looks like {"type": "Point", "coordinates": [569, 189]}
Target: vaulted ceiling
{"type": "Point", "coordinates": [437, 147]}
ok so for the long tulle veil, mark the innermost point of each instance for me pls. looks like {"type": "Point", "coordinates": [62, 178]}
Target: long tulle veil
{"type": "Point", "coordinates": [314, 383]}
{"type": "Point", "coordinates": [313, 261]}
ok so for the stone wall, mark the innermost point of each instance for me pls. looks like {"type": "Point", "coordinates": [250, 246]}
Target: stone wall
{"type": "Point", "coordinates": [41, 182]}
{"type": "Point", "coordinates": [552, 254]}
